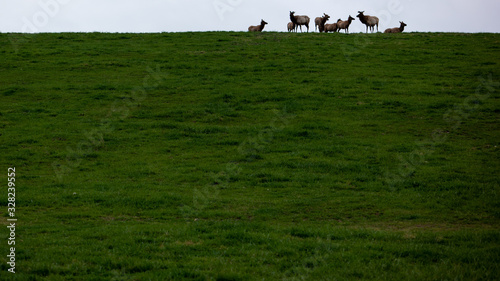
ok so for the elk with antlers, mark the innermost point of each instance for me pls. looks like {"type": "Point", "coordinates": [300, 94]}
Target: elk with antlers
{"type": "Point", "coordinates": [320, 22]}
{"type": "Point", "coordinates": [369, 21]}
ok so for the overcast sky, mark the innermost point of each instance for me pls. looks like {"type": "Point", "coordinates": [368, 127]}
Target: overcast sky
{"type": "Point", "coordinates": [236, 15]}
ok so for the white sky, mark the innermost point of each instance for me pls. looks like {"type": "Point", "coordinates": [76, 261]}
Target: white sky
{"type": "Point", "coordinates": [237, 15]}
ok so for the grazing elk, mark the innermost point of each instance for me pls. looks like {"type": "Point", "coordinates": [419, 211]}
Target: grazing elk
{"type": "Point", "coordinates": [290, 26]}
{"type": "Point", "coordinates": [369, 21]}
{"type": "Point", "coordinates": [396, 29]}
{"type": "Point", "coordinates": [258, 28]}
{"type": "Point", "coordinates": [344, 24]}
{"type": "Point", "coordinates": [300, 21]}
{"type": "Point", "coordinates": [320, 22]}
{"type": "Point", "coordinates": [332, 27]}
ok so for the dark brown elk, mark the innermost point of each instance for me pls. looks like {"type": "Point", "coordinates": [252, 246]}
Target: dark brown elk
{"type": "Point", "coordinates": [369, 21]}
{"type": "Point", "coordinates": [320, 22]}
{"type": "Point", "coordinates": [300, 21]}
{"type": "Point", "coordinates": [344, 24]}
{"type": "Point", "coordinates": [396, 29]}
{"type": "Point", "coordinates": [323, 22]}
{"type": "Point", "coordinates": [258, 28]}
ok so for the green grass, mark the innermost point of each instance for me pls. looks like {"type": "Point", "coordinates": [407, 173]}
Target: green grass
{"type": "Point", "coordinates": [237, 156]}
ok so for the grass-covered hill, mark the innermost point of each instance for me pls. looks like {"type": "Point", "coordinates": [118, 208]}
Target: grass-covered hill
{"type": "Point", "coordinates": [237, 156]}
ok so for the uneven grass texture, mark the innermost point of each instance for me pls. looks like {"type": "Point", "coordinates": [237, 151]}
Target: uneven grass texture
{"type": "Point", "coordinates": [237, 156]}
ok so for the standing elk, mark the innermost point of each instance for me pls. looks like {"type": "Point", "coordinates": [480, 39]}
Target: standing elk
{"type": "Point", "coordinates": [290, 26]}
{"type": "Point", "coordinates": [332, 27]}
{"type": "Point", "coordinates": [320, 22]}
{"type": "Point", "coordinates": [396, 29]}
{"type": "Point", "coordinates": [369, 21]}
{"type": "Point", "coordinates": [300, 21]}
{"type": "Point", "coordinates": [344, 24]}
{"type": "Point", "coordinates": [323, 22]}
{"type": "Point", "coordinates": [257, 28]}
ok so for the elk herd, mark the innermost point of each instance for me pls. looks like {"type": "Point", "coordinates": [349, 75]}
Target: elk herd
{"type": "Point", "coordinates": [297, 22]}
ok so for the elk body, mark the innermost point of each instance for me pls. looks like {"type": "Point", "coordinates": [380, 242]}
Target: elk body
{"type": "Point", "coordinates": [300, 21]}
{"type": "Point", "coordinates": [344, 24]}
{"type": "Point", "coordinates": [396, 29]}
{"type": "Point", "coordinates": [320, 22]}
{"type": "Point", "coordinates": [332, 27]}
{"type": "Point", "coordinates": [290, 26]}
{"type": "Point", "coordinates": [257, 28]}
{"type": "Point", "coordinates": [369, 21]}
{"type": "Point", "coordinates": [323, 22]}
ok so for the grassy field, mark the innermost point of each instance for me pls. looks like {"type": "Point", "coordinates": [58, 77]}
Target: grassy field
{"type": "Point", "coordinates": [237, 156]}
